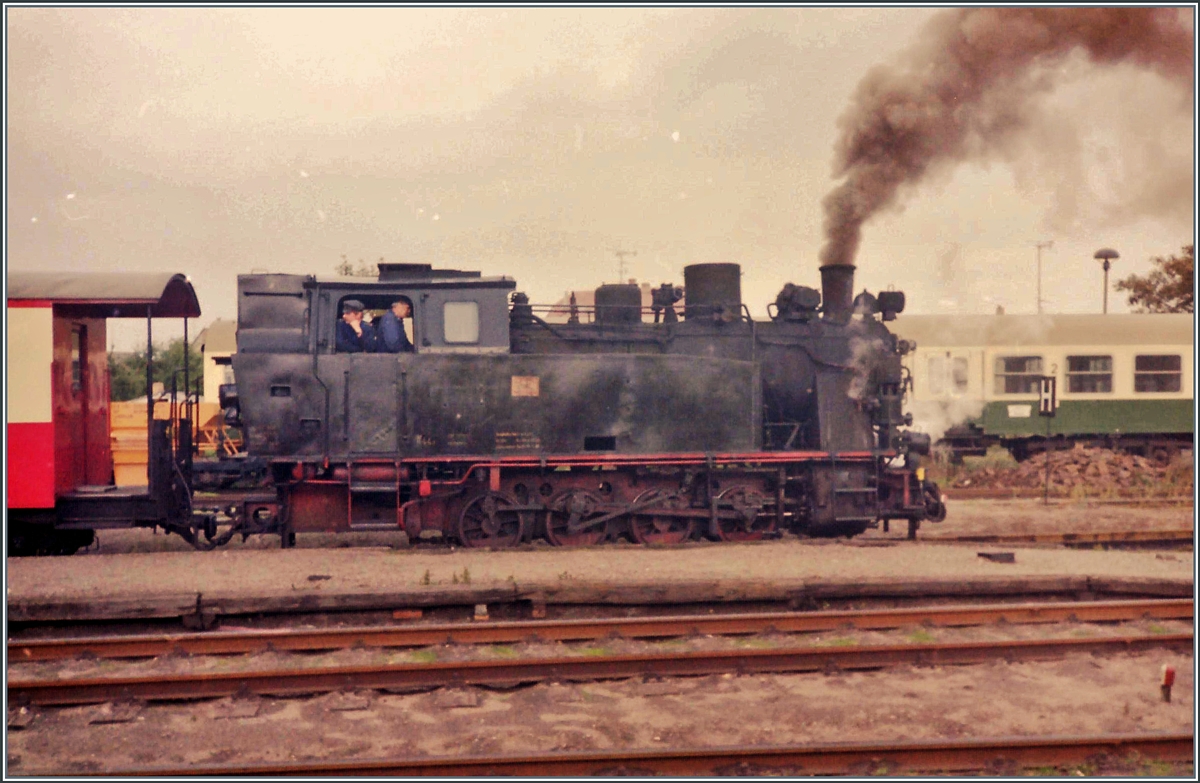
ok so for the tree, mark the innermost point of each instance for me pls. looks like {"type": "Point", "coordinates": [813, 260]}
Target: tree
{"type": "Point", "coordinates": [1169, 288]}
{"type": "Point", "coordinates": [127, 371]}
{"type": "Point", "coordinates": [346, 269]}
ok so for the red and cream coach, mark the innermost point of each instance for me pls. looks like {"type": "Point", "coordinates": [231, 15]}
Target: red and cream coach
{"type": "Point", "coordinates": [60, 486]}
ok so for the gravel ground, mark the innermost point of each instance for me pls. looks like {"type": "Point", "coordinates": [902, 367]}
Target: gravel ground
{"type": "Point", "coordinates": [1080, 694]}
{"type": "Point", "coordinates": [1076, 695]}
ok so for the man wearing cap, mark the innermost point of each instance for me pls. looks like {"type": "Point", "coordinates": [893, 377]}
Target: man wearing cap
{"type": "Point", "coordinates": [354, 335]}
{"type": "Point", "coordinates": [392, 338]}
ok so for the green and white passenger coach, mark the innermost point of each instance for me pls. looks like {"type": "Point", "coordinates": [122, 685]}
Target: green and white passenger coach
{"type": "Point", "coordinates": [1123, 381]}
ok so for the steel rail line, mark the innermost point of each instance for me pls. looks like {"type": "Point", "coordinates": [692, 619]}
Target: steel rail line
{"type": "Point", "coordinates": [507, 672]}
{"type": "Point", "coordinates": [1181, 535]}
{"type": "Point", "coordinates": [817, 759]}
{"type": "Point", "coordinates": [228, 642]}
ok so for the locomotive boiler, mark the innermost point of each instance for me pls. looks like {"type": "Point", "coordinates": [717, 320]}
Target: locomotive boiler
{"type": "Point", "coordinates": [509, 422]}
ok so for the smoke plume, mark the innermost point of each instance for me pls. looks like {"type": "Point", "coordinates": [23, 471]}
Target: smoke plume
{"type": "Point", "coordinates": [966, 85]}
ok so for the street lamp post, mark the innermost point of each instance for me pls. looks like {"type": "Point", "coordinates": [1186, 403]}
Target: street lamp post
{"type": "Point", "coordinates": [1040, 247]}
{"type": "Point", "coordinates": [1106, 255]}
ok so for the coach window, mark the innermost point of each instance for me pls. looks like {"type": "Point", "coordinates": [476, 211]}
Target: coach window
{"type": "Point", "coordinates": [1018, 374]}
{"type": "Point", "coordinates": [1157, 373]}
{"type": "Point", "coordinates": [1089, 374]}
{"type": "Point", "coordinates": [77, 359]}
{"type": "Point", "coordinates": [947, 375]}
{"type": "Point", "coordinates": [461, 322]}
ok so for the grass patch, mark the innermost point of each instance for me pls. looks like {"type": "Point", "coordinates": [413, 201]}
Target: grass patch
{"type": "Point", "coordinates": [423, 656]}
{"type": "Point", "coordinates": [941, 469]}
{"type": "Point", "coordinates": [1156, 628]}
{"type": "Point", "coordinates": [596, 652]}
{"type": "Point", "coordinates": [1157, 769]}
{"type": "Point", "coordinates": [921, 636]}
{"type": "Point", "coordinates": [504, 651]}
{"type": "Point", "coordinates": [840, 641]}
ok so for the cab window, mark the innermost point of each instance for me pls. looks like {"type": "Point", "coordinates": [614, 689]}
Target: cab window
{"type": "Point", "coordinates": [460, 322]}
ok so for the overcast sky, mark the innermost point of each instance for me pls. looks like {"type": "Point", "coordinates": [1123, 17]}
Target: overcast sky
{"type": "Point", "coordinates": [534, 142]}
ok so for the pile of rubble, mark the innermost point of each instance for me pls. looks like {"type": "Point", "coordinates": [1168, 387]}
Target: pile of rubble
{"type": "Point", "coordinates": [1082, 472]}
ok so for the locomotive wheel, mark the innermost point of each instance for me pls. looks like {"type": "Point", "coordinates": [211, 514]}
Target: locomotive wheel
{"type": "Point", "coordinates": [650, 527]}
{"type": "Point", "coordinates": [571, 508]}
{"type": "Point", "coordinates": [489, 521]}
{"type": "Point", "coordinates": [32, 540]}
{"type": "Point", "coordinates": [749, 524]}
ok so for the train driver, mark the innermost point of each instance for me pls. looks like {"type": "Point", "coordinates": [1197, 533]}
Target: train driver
{"type": "Point", "coordinates": [392, 338]}
{"type": "Point", "coordinates": [353, 334]}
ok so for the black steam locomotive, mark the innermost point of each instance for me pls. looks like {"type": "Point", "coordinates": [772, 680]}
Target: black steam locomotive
{"type": "Point", "coordinates": [509, 422]}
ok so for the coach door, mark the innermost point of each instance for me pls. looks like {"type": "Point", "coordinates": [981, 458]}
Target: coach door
{"type": "Point", "coordinates": [77, 410]}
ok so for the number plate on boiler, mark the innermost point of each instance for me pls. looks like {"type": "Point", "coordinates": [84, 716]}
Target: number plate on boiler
{"type": "Point", "coordinates": [525, 386]}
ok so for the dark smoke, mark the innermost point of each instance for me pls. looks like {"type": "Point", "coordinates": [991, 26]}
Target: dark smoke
{"type": "Point", "coordinates": [965, 84]}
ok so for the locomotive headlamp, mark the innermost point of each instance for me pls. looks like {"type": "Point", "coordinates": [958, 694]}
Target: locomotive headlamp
{"type": "Point", "coordinates": [227, 395]}
{"type": "Point", "coordinates": [891, 303]}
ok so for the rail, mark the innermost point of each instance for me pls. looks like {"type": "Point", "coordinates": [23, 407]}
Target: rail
{"type": "Point", "coordinates": [1114, 537]}
{"type": "Point", "coordinates": [286, 681]}
{"type": "Point", "coordinates": [976, 754]}
{"type": "Point", "coordinates": [249, 641]}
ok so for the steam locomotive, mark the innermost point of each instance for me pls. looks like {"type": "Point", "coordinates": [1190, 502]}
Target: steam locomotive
{"type": "Point", "coordinates": [510, 422]}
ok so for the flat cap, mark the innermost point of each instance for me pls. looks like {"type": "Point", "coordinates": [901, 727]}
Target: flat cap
{"type": "Point", "coordinates": [352, 306]}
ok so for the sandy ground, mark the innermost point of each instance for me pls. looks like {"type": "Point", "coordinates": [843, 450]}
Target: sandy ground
{"type": "Point", "coordinates": [1077, 695]}
{"type": "Point", "coordinates": [361, 564]}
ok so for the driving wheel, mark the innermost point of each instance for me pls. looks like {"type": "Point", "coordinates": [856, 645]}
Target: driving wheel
{"type": "Point", "coordinates": [490, 520]}
{"type": "Point", "coordinates": [568, 513]}
{"type": "Point", "coordinates": [651, 526]}
{"type": "Point", "coordinates": [746, 522]}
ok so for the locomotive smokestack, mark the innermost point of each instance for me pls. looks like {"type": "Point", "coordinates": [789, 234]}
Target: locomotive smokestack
{"type": "Point", "coordinates": [837, 292]}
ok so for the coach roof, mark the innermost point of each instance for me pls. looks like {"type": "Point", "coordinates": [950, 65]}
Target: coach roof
{"type": "Point", "coordinates": [948, 331]}
{"type": "Point", "coordinates": [109, 294]}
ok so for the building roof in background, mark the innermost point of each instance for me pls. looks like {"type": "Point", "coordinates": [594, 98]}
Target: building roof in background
{"type": "Point", "coordinates": [220, 336]}
{"type": "Point", "coordinates": [1005, 330]}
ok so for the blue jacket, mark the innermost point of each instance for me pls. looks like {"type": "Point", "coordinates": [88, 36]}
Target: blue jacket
{"type": "Point", "coordinates": [349, 342]}
{"type": "Point", "coordinates": [392, 338]}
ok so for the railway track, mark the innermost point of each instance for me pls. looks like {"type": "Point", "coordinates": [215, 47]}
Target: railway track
{"type": "Point", "coordinates": [509, 673]}
{"type": "Point", "coordinates": [298, 640]}
{"type": "Point", "coordinates": [1001, 755]}
{"type": "Point", "coordinates": [1104, 538]}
